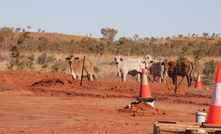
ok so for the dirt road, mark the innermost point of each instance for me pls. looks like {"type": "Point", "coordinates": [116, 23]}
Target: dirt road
{"type": "Point", "coordinates": [53, 103]}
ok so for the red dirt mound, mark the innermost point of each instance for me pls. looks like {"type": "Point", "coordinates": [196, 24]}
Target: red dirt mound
{"type": "Point", "coordinates": [142, 109]}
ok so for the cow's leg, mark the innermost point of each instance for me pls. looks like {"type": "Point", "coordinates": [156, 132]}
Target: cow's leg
{"type": "Point", "coordinates": [174, 80]}
{"type": "Point", "coordinates": [124, 76]}
{"type": "Point", "coordinates": [73, 75]}
{"type": "Point", "coordinates": [154, 78]}
{"type": "Point", "coordinates": [164, 80]}
{"type": "Point", "coordinates": [139, 76]}
{"type": "Point", "coordinates": [79, 76]}
{"type": "Point", "coordinates": [90, 77]}
{"type": "Point", "coordinates": [160, 79]}
{"type": "Point", "coordinates": [189, 80]}
{"type": "Point", "coordinates": [118, 74]}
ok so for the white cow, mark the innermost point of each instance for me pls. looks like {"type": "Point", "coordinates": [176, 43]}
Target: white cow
{"type": "Point", "coordinates": [76, 67]}
{"type": "Point", "coordinates": [131, 66]}
{"type": "Point", "coordinates": [159, 69]}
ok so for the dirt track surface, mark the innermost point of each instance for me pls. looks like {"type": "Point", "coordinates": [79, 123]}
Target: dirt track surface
{"type": "Point", "coordinates": [53, 103]}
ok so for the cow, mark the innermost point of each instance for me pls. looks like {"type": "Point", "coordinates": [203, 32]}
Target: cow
{"type": "Point", "coordinates": [76, 67]}
{"type": "Point", "coordinates": [159, 69]}
{"type": "Point", "coordinates": [130, 66]}
{"type": "Point", "coordinates": [182, 68]}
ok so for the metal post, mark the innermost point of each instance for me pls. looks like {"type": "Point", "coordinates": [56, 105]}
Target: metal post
{"type": "Point", "coordinates": [176, 76]}
{"type": "Point", "coordinates": [82, 71]}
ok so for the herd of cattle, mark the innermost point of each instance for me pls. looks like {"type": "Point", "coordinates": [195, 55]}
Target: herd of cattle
{"type": "Point", "coordinates": [157, 68]}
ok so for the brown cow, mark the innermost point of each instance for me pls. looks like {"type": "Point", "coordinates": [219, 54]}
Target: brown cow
{"type": "Point", "coordinates": [184, 68]}
{"type": "Point", "coordinates": [76, 67]}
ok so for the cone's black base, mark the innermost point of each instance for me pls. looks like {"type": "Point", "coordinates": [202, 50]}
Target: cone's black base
{"type": "Point", "coordinates": [146, 99]}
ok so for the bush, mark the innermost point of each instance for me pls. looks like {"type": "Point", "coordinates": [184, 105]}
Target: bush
{"type": "Point", "coordinates": [210, 67]}
{"type": "Point", "coordinates": [60, 67]}
{"type": "Point", "coordinates": [44, 59]}
{"type": "Point", "coordinates": [22, 63]}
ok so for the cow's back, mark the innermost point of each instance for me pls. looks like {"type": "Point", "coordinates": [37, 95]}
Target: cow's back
{"type": "Point", "coordinates": [135, 64]}
{"type": "Point", "coordinates": [183, 68]}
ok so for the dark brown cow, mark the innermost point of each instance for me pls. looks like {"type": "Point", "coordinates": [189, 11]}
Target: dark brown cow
{"type": "Point", "coordinates": [159, 69]}
{"type": "Point", "coordinates": [184, 68]}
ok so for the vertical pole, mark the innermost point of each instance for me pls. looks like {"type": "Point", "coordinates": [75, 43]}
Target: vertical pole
{"type": "Point", "coordinates": [82, 71]}
{"type": "Point", "coordinates": [176, 76]}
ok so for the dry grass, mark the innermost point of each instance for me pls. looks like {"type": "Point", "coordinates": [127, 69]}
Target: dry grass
{"type": "Point", "coordinates": [103, 65]}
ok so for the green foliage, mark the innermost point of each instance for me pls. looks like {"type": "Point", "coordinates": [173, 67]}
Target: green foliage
{"type": "Point", "coordinates": [199, 54]}
{"type": "Point", "coordinates": [6, 34]}
{"type": "Point", "coordinates": [108, 33]}
{"type": "Point", "coordinates": [22, 62]}
{"type": "Point", "coordinates": [60, 67]}
{"type": "Point", "coordinates": [23, 37]}
{"type": "Point", "coordinates": [167, 47]}
{"type": "Point", "coordinates": [210, 67]}
{"type": "Point", "coordinates": [45, 59]}
{"type": "Point", "coordinates": [96, 69]}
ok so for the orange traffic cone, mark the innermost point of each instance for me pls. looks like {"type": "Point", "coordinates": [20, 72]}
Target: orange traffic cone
{"type": "Point", "coordinates": [144, 87]}
{"type": "Point", "coordinates": [214, 116]}
{"type": "Point", "coordinates": [198, 84]}
{"type": "Point", "coordinates": [145, 94]}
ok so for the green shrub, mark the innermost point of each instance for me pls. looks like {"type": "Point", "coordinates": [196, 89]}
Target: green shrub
{"type": "Point", "coordinates": [44, 59]}
{"type": "Point", "coordinates": [210, 67]}
{"type": "Point", "coordinates": [60, 67]}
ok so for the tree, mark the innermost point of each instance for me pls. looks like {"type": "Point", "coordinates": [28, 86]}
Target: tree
{"type": "Point", "coordinates": [39, 30]}
{"type": "Point", "coordinates": [17, 29]}
{"type": "Point", "coordinates": [180, 36]}
{"type": "Point", "coordinates": [136, 37]}
{"type": "Point", "coordinates": [108, 33]}
{"type": "Point", "coordinates": [6, 34]}
{"type": "Point", "coordinates": [29, 27]}
{"type": "Point", "coordinates": [205, 34]}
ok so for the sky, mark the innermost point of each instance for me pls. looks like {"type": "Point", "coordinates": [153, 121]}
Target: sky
{"type": "Point", "coordinates": [146, 18]}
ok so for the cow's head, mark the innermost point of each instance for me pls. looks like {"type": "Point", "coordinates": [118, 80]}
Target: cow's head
{"type": "Point", "coordinates": [71, 59]}
{"type": "Point", "coordinates": [117, 59]}
{"type": "Point", "coordinates": [148, 61]}
{"type": "Point", "coordinates": [171, 68]}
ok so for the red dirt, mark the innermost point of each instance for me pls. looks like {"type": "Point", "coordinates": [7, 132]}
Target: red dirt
{"type": "Point", "coordinates": [38, 102]}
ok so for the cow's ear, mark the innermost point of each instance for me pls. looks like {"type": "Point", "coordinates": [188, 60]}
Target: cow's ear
{"type": "Point", "coordinates": [121, 59]}
{"type": "Point", "coordinates": [67, 58]}
{"type": "Point", "coordinates": [76, 58]}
